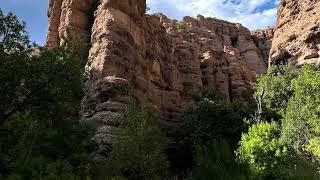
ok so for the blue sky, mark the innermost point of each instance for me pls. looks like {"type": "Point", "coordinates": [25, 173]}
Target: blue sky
{"type": "Point", "coordinates": [253, 14]}
{"type": "Point", "coordinates": [33, 12]}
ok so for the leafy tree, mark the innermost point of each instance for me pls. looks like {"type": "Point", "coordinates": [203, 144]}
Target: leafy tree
{"type": "Point", "coordinates": [270, 158]}
{"type": "Point", "coordinates": [275, 87]}
{"type": "Point", "coordinates": [263, 150]}
{"type": "Point", "coordinates": [301, 127]}
{"type": "Point", "coordinates": [138, 146]}
{"type": "Point", "coordinates": [13, 36]}
{"type": "Point", "coordinates": [294, 95]}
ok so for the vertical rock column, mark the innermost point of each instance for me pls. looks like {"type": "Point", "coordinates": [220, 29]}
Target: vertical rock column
{"type": "Point", "coordinates": [115, 39]}
{"type": "Point", "coordinates": [54, 13]}
{"type": "Point", "coordinates": [70, 19]}
{"type": "Point", "coordinates": [76, 19]}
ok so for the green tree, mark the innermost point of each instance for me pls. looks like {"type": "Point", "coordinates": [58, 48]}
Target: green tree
{"type": "Point", "coordinates": [294, 95]}
{"type": "Point", "coordinates": [263, 150]}
{"type": "Point", "coordinates": [13, 36]}
{"type": "Point", "coordinates": [138, 146]}
{"type": "Point", "coordinates": [301, 121]}
{"type": "Point", "coordinates": [269, 157]}
{"type": "Point", "coordinates": [275, 87]}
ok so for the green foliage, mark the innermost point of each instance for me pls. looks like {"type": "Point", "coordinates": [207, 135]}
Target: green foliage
{"type": "Point", "coordinates": [212, 119]}
{"type": "Point", "coordinates": [138, 146]}
{"type": "Point", "coordinates": [294, 94]}
{"type": "Point", "coordinates": [30, 147]}
{"type": "Point", "coordinates": [40, 93]}
{"type": "Point", "coordinates": [301, 127]}
{"type": "Point", "coordinates": [216, 161]}
{"type": "Point", "coordinates": [275, 87]}
{"type": "Point", "coordinates": [213, 128]}
{"type": "Point", "coordinates": [179, 26]}
{"type": "Point", "coordinates": [13, 36]}
{"type": "Point", "coordinates": [263, 150]}
{"type": "Point", "coordinates": [45, 85]}
{"type": "Point", "coordinates": [269, 157]}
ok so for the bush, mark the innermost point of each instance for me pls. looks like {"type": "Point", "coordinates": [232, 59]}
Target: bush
{"type": "Point", "coordinates": [263, 150]}
{"type": "Point", "coordinates": [138, 146]}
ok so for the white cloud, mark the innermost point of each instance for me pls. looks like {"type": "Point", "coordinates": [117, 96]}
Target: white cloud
{"type": "Point", "coordinates": [251, 13]}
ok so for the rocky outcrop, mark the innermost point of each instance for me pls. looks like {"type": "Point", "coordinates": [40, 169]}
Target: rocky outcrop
{"type": "Point", "coordinates": [263, 39]}
{"type": "Point", "coordinates": [154, 59]}
{"type": "Point", "coordinates": [54, 13]}
{"type": "Point", "coordinates": [70, 19]}
{"type": "Point", "coordinates": [297, 34]}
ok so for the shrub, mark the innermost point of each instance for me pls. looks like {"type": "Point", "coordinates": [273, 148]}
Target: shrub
{"type": "Point", "coordinates": [263, 150]}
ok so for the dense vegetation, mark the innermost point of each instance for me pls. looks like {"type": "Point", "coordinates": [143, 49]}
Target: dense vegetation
{"type": "Point", "coordinates": [282, 141]}
{"type": "Point", "coordinates": [40, 93]}
{"type": "Point", "coordinates": [41, 136]}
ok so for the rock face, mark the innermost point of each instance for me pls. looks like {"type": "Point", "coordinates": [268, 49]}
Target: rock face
{"type": "Point", "coordinates": [263, 39]}
{"type": "Point", "coordinates": [297, 34]}
{"type": "Point", "coordinates": [155, 59]}
{"type": "Point", "coordinates": [69, 18]}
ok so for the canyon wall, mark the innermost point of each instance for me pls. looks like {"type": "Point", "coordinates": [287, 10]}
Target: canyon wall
{"type": "Point", "coordinates": [297, 33]}
{"type": "Point", "coordinates": [155, 60]}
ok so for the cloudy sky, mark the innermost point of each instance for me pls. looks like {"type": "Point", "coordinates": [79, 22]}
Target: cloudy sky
{"type": "Point", "coordinates": [251, 13]}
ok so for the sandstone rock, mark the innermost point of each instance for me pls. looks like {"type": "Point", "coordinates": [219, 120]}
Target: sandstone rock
{"type": "Point", "coordinates": [110, 106]}
{"type": "Point", "coordinates": [69, 18]}
{"type": "Point", "coordinates": [54, 13]}
{"type": "Point", "coordinates": [297, 34]}
{"type": "Point", "coordinates": [155, 59]}
{"type": "Point", "coordinates": [102, 141]}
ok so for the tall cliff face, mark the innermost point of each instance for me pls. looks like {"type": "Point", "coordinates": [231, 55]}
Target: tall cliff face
{"type": "Point", "coordinates": [154, 59]}
{"type": "Point", "coordinates": [297, 34]}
